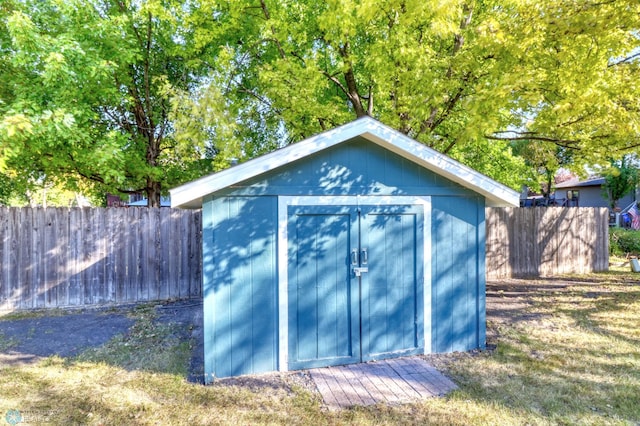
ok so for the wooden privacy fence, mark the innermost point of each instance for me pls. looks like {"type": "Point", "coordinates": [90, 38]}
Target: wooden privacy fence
{"type": "Point", "coordinates": [59, 257]}
{"type": "Point", "coordinates": [546, 241]}
{"type": "Point", "coordinates": [72, 257]}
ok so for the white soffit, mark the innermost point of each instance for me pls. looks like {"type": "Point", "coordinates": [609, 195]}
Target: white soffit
{"type": "Point", "coordinates": [190, 195]}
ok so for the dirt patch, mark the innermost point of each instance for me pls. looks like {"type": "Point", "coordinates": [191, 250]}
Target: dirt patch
{"type": "Point", "coordinates": [31, 339]}
{"type": "Point", "coordinates": [509, 299]}
{"type": "Point", "coordinates": [278, 382]}
{"type": "Point", "coordinates": [32, 336]}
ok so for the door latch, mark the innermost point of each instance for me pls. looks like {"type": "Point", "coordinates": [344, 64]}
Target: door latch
{"type": "Point", "coordinates": [355, 259]}
{"type": "Point", "coordinates": [359, 270]}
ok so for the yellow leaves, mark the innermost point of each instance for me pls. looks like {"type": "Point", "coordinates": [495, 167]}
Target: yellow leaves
{"type": "Point", "coordinates": [492, 31]}
{"type": "Point", "coordinates": [21, 125]}
{"type": "Point", "coordinates": [54, 68]}
{"type": "Point", "coordinates": [55, 57]}
{"type": "Point", "coordinates": [16, 124]}
{"type": "Point", "coordinates": [614, 171]}
{"type": "Point", "coordinates": [338, 21]}
{"type": "Point", "coordinates": [21, 28]}
{"type": "Point", "coordinates": [446, 17]}
{"type": "Point", "coordinates": [158, 11]}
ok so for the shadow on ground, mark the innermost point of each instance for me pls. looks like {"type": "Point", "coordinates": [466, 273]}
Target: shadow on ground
{"type": "Point", "coordinates": [33, 336]}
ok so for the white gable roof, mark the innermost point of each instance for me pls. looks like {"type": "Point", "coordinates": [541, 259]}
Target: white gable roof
{"type": "Point", "coordinates": [190, 195]}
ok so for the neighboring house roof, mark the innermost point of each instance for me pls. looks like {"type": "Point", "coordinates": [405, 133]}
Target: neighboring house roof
{"type": "Point", "coordinates": [164, 202]}
{"type": "Point", "coordinates": [573, 183]}
{"type": "Point", "coordinates": [190, 195]}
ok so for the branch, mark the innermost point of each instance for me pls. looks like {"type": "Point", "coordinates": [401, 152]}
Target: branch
{"type": "Point", "coordinates": [297, 55]}
{"type": "Point", "coordinates": [263, 100]}
{"type": "Point", "coordinates": [428, 123]}
{"type": "Point", "coordinates": [624, 60]}
{"type": "Point", "coordinates": [350, 79]}
{"type": "Point", "coordinates": [432, 122]}
{"type": "Point", "coordinates": [627, 148]}
{"type": "Point", "coordinates": [467, 14]}
{"type": "Point", "coordinates": [450, 105]}
{"type": "Point", "coordinates": [336, 82]}
{"type": "Point", "coordinates": [267, 16]}
{"type": "Point", "coordinates": [131, 191]}
{"type": "Point", "coordinates": [147, 79]}
{"type": "Point", "coordinates": [449, 147]}
{"type": "Point", "coordinates": [532, 136]}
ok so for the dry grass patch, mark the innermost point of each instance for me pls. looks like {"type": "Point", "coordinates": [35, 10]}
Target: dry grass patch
{"type": "Point", "coordinates": [571, 356]}
{"type": "Point", "coordinates": [564, 351]}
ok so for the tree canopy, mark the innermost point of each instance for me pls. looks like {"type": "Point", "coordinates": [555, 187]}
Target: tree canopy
{"type": "Point", "coordinates": [86, 94]}
{"type": "Point", "coordinates": [147, 94]}
{"type": "Point", "coordinates": [464, 77]}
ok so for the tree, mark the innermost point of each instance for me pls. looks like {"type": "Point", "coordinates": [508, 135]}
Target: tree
{"type": "Point", "coordinates": [620, 178]}
{"type": "Point", "coordinates": [142, 95]}
{"type": "Point", "coordinates": [575, 77]}
{"type": "Point", "coordinates": [544, 159]}
{"type": "Point", "coordinates": [447, 74]}
{"type": "Point", "coordinates": [86, 94]}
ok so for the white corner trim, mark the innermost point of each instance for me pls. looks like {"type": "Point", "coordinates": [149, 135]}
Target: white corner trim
{"type": "Point", "coordinates": [283, 247]}
{"type": "Point", "coordinates": [426, 270]}
{"type": "Point", "coordinates": [283, 287]}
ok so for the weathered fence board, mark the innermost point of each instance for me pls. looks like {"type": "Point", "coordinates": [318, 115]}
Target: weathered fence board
{"type": "Point", "coordinates": [546, 241]}
{"type": "Point", "coordinates": [58, 257]}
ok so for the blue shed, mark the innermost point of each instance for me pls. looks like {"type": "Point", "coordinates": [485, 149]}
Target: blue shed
{"type": "Point", "coordinates": [353, 245]}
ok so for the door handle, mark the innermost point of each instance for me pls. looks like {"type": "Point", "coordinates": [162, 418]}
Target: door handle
{"type": "Point", "coordinates": [354, 257]}
{"type": "Point", "coordinates": [359, 270]}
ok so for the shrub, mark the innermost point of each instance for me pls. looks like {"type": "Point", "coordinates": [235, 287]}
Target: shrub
{"type": "Point", "coordinates": [624, 241]}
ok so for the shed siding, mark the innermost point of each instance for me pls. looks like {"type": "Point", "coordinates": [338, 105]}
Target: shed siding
{"type": "Point", "coordinates": [357, 167]}
{"type": "Point", "coordinates": [458, 311]}
{"type": "Point", "coordinates": [240, 285]}
{"type": "Point", "coordinates": [240, 256]}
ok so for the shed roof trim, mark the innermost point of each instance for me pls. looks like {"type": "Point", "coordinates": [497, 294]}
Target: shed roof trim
{"type": "Point", "coordinates": [190, 195]}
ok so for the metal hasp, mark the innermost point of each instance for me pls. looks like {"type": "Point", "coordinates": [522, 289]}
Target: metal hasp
{"type": "Point", "coordinates": [358, 270]}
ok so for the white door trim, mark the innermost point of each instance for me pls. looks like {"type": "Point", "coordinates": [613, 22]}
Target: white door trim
{"type": "Point", "coordinates": [356, 200]}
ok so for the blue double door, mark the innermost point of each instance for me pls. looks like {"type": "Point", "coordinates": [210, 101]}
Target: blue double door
{"type": "Point", "coordinates": [355, 283]}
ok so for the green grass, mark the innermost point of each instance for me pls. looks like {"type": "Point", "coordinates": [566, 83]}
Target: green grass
{"type": "Point", "coordinates": [574, 358]}
{"type": "Point", "coordinates": [32, 314]}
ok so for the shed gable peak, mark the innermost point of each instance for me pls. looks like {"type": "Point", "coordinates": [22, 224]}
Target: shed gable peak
{"type": "Point", "coordinates": [191, 194]}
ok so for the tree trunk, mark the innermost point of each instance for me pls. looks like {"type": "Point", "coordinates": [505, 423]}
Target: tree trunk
{"type": "Point", "coordinates": [153, 193]}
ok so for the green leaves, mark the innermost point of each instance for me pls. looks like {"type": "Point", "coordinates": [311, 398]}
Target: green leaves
{"type": "Point", "coordinates": [88, 93]}
{"type": "Point", "coordinates": [145, 95]}
{"type": "Point", "coordinates": [449, 74]}
{"type": "Point", "coordinates": [620, 178]}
